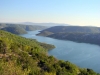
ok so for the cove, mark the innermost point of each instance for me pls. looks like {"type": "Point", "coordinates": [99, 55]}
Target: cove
{"type": "Point", "coordinates": [82, 54]}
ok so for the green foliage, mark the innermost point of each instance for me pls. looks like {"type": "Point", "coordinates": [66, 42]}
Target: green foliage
{"type": "Point", "coordinates": [87, 72]}
{"type": "Point", "coordinates": [21, 56]}
{"type": "Point", "coordinates": [3, 47]}
{"type": "Point", "coordinates": [44, 45]}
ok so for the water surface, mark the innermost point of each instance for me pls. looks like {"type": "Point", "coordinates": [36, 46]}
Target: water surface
{"type": "Point", "coordinates": [82, 54]}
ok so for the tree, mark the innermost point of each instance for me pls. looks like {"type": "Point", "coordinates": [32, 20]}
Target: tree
{"type": "Point", "coordinates": [3, 47]}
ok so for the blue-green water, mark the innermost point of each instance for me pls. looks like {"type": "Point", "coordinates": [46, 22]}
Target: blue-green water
{"type": "Point", "coordinates": [82, 54]}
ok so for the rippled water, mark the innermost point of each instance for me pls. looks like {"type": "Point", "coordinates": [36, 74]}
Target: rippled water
{"type": "Point", "coordinates": [82, 54]}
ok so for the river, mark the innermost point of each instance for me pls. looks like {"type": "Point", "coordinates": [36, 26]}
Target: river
{"type": "Point", "coordinates": [82, 54]}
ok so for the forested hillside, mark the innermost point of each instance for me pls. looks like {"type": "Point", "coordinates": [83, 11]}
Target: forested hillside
{"type": "Point", "coordinates": [74, 33]}
{"type": "Point", "coordinates": [21, 56]}
{"type": "Point", "coordinates": [83, 29]}
{"type": "Point", "coordinates": [20, 28]}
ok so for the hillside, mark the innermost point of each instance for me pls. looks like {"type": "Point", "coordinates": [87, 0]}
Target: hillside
{"type": "Point", "coordinates": [15, 30]}
{"type": "Point", "coordinates": [74, 33]}
{"type": "Point", "coordinates": [21, 56]}
{"type": "Point", "coordinates": [20, 28]}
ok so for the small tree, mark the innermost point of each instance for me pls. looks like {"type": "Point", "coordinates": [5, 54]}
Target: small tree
{"type": "Point", "coordinates": [3, 47]}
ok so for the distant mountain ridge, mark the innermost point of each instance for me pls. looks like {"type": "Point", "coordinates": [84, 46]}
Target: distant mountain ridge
{"type": "Point", "coordinates": [20, 28]}
{"type": "Point", "coordinates": [85, 29]}
{"type": "Point", "coordinates": [74, 33]}
{"type": "Point", "coordinates": [44, 24]}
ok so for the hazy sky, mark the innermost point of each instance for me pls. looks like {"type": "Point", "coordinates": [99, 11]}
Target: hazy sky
{"type": "Point", "coordinates": [77, 12]}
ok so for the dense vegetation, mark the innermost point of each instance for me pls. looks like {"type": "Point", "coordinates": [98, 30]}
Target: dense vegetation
{"type": "Point", "coordinates": [19, 28]}
{"type": "Point", "coordinates": [15, 30]}
{"type": "Point", "coordinates": [21, 56]}
{"type": "Point", "coordinates": [74, 33]}
{"type": "Point", "coordinates": [83, 29]}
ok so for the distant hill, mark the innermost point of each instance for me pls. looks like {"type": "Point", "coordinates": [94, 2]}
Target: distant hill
{"type": "Point", "coordinates": [45, 24]}
{"type": "Point", "coordinates": [74, 33]}
{"type": "Point", "coordinates": [15, 30]}
{"type": "Point", "coordinates": [20, 28]}
{"type": "Point", "coordinates": [85, 29]}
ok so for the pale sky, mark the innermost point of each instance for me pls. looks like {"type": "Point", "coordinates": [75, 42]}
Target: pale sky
{"type": "Point", "coordinates": [75, 12]}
